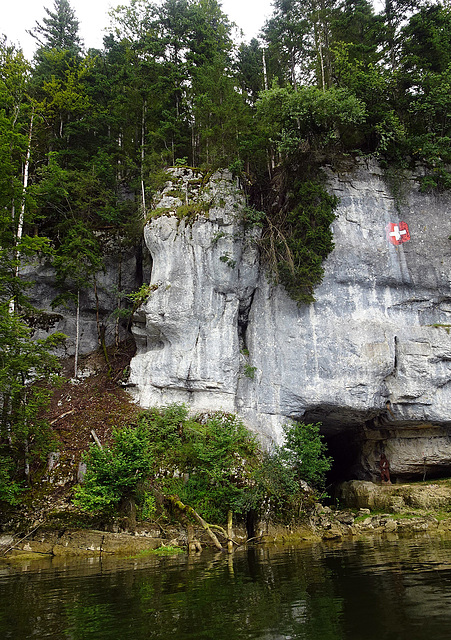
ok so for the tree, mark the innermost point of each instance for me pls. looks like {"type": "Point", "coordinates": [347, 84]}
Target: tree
{"type": "Point", "coordinates": [25, 364]}
{"type": "Point", "coordinates": [250, 67]}
{"type": "Point", "coordinates": [426, 44]}
{"type": "Point", "coordinates": [395, 14]}
{"type": "Point", "coordinates": [77, 262]}
{"type": "Point", "coordinates": [304, 452]}
{"type": "Point", "coordinates": [308, 120]}
{"type": "Point", "coordinates": [289, 40]}
{"type": "Point", "coordinates": [424, 87]}
{"type": "Point", "coordinates": [16, 125]}
{"type": "Point", "coordinates": [354, 23]}
{"type": "Point", "coordinates": [59, 30]}
{"type": "Point", "coordinates": [152, 40]}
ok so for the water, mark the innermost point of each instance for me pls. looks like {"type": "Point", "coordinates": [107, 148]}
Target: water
{"type": "Point", "coordinates": [386, 590]}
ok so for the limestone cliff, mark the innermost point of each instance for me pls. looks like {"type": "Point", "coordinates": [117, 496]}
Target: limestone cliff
{"type": "Point", "coordinates": [370, 359]}
{"type": "Point", "coordinates": [123, 272]}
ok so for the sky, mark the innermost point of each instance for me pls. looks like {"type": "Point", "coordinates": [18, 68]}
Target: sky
{"type": "Point", "coordinates": [19, 15]}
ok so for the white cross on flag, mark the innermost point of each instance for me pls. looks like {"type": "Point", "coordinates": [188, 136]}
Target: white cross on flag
{"type": "Point", "coordinates": [397, 232]}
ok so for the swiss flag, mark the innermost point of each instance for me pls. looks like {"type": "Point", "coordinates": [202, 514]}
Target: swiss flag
{"type": "Point", "coordinates": [397, 232]}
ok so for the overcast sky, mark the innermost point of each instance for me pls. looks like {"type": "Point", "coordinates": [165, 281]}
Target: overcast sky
{"type": "Point", "coordinates": [19, 15]}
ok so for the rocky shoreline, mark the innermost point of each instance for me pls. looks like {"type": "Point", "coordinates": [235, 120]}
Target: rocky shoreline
{"type": "Point", "coordinates": [371, 510]}
{"type": "Point", "coordinates": [325, 525]}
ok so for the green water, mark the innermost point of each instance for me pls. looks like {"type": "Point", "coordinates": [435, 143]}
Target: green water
{"type": "Point", "coordinates": [378, 589]}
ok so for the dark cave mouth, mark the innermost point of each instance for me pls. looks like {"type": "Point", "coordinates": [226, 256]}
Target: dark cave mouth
{"type": "Point", "coordinates": [349, 462]}
{"type": "Point", "coordinates": [357, 442]}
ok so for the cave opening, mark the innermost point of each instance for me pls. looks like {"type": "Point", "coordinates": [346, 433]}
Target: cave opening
{"type": "Point", "coordinates": [344, 447]}
{"type": "Point", "coordinates": [344, 434]}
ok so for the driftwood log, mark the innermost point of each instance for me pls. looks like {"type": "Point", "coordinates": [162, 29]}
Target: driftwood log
{"type": "Point", "coordinates": [188, 511]}
{"type": "Point", "coordinates": [188, 514]}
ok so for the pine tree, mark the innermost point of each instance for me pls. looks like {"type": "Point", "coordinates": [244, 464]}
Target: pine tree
{"type": "Point", "coordinates": [59, 30]}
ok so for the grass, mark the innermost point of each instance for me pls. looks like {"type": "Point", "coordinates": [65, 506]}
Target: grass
{"type": "Point", "coordinates": [161, 551]}
{"type": "Point", "coordinates": [447, 327]}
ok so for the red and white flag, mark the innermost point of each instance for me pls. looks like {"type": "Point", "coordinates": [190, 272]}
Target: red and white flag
{"type": "Point", "coordinates": [397, 232]}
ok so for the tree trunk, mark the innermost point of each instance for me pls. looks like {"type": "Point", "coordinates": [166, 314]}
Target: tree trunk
{"type": "Point", "coordinates": [20, 222]}
{"type": "Point", "coordinates": [119, 298]}
{"type": "Point", "coordinates": [265, 74]}
{"type": "Point", "coordinates": [194, 546]}
{"type": "Point", "coordinates": [229, 532]}
{"type": "Point", "coordinates": [77, 335]}
{"type": "Point", "coordinates": [189, 511]}
{"type": "Point", "coordinates": [143, 139]}
{"type": "Point", "coordinates": [99, 330]}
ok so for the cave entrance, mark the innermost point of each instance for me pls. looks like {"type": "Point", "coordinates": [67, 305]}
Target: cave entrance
{"type": "Point", "coordinates": [358, 443]}
{"type": "Point", "coordinates": [344, 447]}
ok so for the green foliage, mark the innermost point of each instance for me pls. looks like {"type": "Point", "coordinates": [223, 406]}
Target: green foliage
{"type": "Point", "coordinates": [305, 453]}
{"type": "Point", "coordinates": [149, 507]}
{"type": "Point", "coordinates": [140, 296]}
{"type": "Point", "coordinates": [278, 487]}
{"type": "Point", "coordinates": [228, 260]}
{"type": "Point", "coordinates": [253, 217]}
{"type": "Point", "coordinates": [308, 119]}
{"type": "Point", "coordinates": [59, 29]}
{"type": "Point", "coordinates": [114, 473]}
{"type": "Point", "coordinates": [10, 490]}
{"type": "Point", "coordinates": [170, 88]}
{"type": "Point", "coordinates": [274, 492]}
{"type": "Point", "coordinates": [223, 454]}
{"type": "Point", "coordinates": [299, 239]}
{"type": "Point", "coordinates": [25, 366]}
{"type": "Point", "coordinates": [249, 371]}
{"type": "Point", "coordinates": [189, 212]}
{"type": "Point", "coordinates": [211, 463]}
{"type": "Point", "coordinates": [78, 260]}
{"type": "Point", "coordinates": [203, 462]}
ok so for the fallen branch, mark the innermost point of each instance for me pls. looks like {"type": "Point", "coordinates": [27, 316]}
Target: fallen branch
{"type": "Point", "coordinates": [189, 511]}
{"type": "Point", "coordinates": [63, 415]}
{"type": "Point", "coordinates": [96, 439]}
{"type": "Point", "coordinates": [21, 540]}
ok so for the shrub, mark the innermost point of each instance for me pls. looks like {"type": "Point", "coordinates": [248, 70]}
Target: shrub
{"type": "Point", "coordinates": [114, 473]}
{"type": "Point", "coordinates": [305, 451]}
{"type": "Point", "coordinates": [211, 463]}
{"type": "Point", "coordinates": [205, 462]}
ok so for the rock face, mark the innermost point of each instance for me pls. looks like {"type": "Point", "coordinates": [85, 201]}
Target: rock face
{"type": "Point", "coordinates": [204, 276]}
{"type": "Point", "coordinates": [370, 359]}
{"type": "Point", "coordinates": [123, 272]}
{"type": "Point", "coordinates": [361, 494]}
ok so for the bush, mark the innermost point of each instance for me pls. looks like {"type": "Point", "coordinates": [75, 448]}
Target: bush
{"type": "Point", "coordinates": [205, 462]}
{"type": "Point", "coordinates": [114, 473]}
{"type": "Point", "coordinates": [305, 451]}
{"type": "Point", "coordinates": [212, 463]}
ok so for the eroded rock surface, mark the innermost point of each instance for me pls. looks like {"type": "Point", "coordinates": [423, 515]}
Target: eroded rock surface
{"type": "Point", "coordinates": [124, 268]}
{"type": "Point", "coordinates": [372, 355]}
{"type": "Point", "coordinates": [204, 275]}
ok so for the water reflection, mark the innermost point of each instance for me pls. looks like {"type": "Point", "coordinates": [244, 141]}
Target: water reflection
{"type": "Point", "coordinates": [370, 589]}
